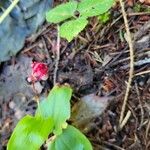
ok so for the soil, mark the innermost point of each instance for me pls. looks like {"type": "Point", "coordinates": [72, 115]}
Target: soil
{"type": "Point", "coordinates": [97, 61]}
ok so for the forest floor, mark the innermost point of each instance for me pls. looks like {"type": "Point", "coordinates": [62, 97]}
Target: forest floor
{"type": "Point", "coordinates": [97, 61]}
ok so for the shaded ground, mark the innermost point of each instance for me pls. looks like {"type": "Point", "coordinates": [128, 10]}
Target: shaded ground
{"type": "Point", "coordinates": [97, 61]}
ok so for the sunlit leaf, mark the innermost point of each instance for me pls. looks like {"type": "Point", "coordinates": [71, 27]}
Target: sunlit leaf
{"type": "Point", "coordinates": [70, 139]}
{"type": "Point", "coordinates": [56, 106]}
{"type": "Point", "coordinates": [30, 133]}
{"type": "Point", "coordinates": [90, 8]}
{"type": "Point", "coordinates": [61, 12]}
{"type": "Point", "coordinates": [85, 5]}
{"type": "Point", "coordinates": [71, 29]}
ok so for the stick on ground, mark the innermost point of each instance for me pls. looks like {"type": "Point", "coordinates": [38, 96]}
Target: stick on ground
{"type": "Point", "coordinates": [131, 63]}
{"type": "Point", "coordinates": [57, 55]}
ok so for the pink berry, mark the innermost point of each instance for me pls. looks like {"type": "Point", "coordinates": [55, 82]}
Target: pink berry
{"type": "Point", "coordinates": [39, 72]}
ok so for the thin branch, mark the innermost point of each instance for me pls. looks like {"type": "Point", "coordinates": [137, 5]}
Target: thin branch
{"type": "Point", "coordinates": [131, 62]}
{"type": "Point", "coordinates": [140, 104]}
{"type": "Point", "coordinates": [147, 130]}
{"type": "Point", "coordinates": [138, 14]}
{"type": "Point", "coordinates": [125, 120]}
{"type": "Point", "coordinates": [142, 73]}
{"type": "Point", "coordinates": [57, 55]}
{"type": "Point", "coordinates": [8, 10]}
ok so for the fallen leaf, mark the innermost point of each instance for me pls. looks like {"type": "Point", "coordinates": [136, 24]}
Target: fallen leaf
{"type": "Point", "coordinates": [89, 107]}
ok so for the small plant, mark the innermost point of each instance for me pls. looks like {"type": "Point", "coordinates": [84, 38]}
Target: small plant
{"type": "Point", "coordinates": [73, 16]}
{"type": "Point", "coordinates": [104, 17]}
{"type": "Point", "coordinates": [52, 113]}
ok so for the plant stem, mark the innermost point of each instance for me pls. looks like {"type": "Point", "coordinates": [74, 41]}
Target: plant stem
{"type": "Point", "coordinates": [57, 55]}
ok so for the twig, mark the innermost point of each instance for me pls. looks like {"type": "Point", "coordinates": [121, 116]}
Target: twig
{"type": "Point", "coordinates": [116, 20]}
{"type": "Point", "coordinates": [46, 51]}
{"type": "Point", "coordinates": [147, 129]}
{"type": "Point", "coordinates": [138, 63]}
{"type": "Point", "coordinates": [138, 13]}
{"type": "Point", "coordinates": [141, 107]}
{"type": "Point", "coordinates": [8, 10]}
{"type": "Point", "coordinates": [125, 120]}
{"type": "Point", "coordinates": [113, 145]}
{"type": "Point", "coordinates": [29, 48]}
{"type": "Point", "coordinates": [142, 31]}
{"type": "Point", "coordinates": [34, 36]}
{"type": "Point", "coordinates": [137, 143]}
{"type": "Point", "coordinates": [134, 115]}
{"type": "Point", "coordinates": [131, 63]}
{"type": "Point", "coordinates": [57, 55]}
{"type": "Point", "coordinates": [143, 72]}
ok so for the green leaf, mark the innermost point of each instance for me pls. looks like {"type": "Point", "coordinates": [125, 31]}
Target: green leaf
{"type": "Point", "coordinates": [72, 28]}
{"type": "Point", "coordinates": [85, 5]}
{"type": "Point", "coordinates": [70, 139]}
{"type": "Point", "coordinates": [30, 133]}
{"type": "Point", "coordinates": [61, 12]}
{"type": "Point", "coordinates": [90, 8]}
{"type": "Point", "coordinates": [57, 107]}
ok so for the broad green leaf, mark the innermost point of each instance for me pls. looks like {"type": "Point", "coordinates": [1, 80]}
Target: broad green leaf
{"type": "Point", "coordinates": [56, 106]}
{"type": "Point", "coordinates": [71, 29]}
{"type": "Point", "coordinates": [85, 5]}
{"type": "Point", "coordinates": [70, 139]}
{"type": "Point", "coordinates": [30, 133]}
{"type": "Point", "coordinates": [61, 12]}
{"type": "Point", "coordinates": [90, 8]}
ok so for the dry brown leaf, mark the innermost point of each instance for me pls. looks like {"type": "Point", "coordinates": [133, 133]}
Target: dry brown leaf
{"type": "Point", "coordinates": [89, 107]}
